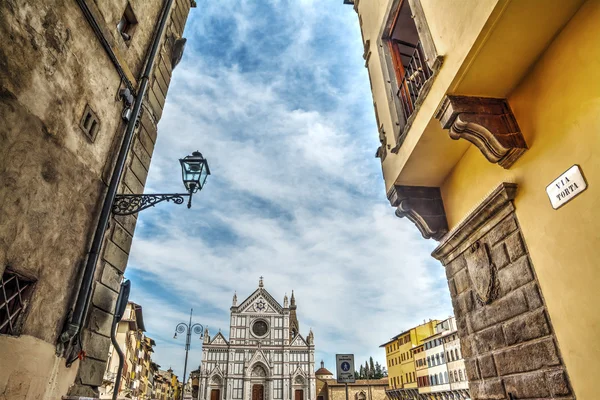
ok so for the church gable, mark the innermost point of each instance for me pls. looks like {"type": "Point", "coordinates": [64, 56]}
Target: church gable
{"type": "Point", "coordinates": [219, 339]}
{"type": "Point", "coordinates": [260, 302]}
{"type": "Point", "coordinates": [259, 357]}
{"type": "Point", "coordinates": [299, 341]}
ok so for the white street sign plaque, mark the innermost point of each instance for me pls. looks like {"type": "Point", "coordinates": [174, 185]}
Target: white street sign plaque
{"type": "Point", "coordinates": [345, 368]}
{"type": "Point", "coordinates": [566, 187]}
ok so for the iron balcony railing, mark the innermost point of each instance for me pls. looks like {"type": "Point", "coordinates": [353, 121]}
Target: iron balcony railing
{"type": "Point", "coordinates": [416, 74]}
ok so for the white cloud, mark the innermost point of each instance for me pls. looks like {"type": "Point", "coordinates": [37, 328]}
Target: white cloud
{"type": "Point", "coordinates": [295, 195]}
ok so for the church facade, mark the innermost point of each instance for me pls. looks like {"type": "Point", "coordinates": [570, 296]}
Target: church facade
{"type": "Point", "coordinates": [265, 357]}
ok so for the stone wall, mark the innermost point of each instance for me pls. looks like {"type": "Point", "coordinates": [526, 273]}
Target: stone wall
{"type": "Point", "coordinates": [54, 176]}
{"type": "Point", "coordinates": [118, 239]}
{"type": "Point", "coordinates": [506, 336]}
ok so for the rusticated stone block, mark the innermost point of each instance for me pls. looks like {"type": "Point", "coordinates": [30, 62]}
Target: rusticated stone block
{"type": "Point", "coordinates": [487, 368]}
{"type": "Point", "coordinates": [464, 303]}
{"type": "Point", "coordinates": [526, 327]}
{"type": "Point", "coordinates": [515, 246]}
{"type": "Point", "coordinates": [532, 294]}
{"type": "Point", "coordinates": [462, 324]}
{"type": "Point", "coordinates": [455, 265]}
{"type": "Point", "coordinates": [452, 287]}
{"type": "Point", "coordinates": [145, 138]}
{"type": "Point", "coordinates": [499, 255]}
{"type": "Point", "coordinates": [95, 345]}
{"type": "Point", "coordinates": [505, 227]}
{"type": "Point", "coordinates": [507, 307]}
{"type": "Point", "coordinates": [138, 169]}
{"type": "Point", "coordinates": [100, 322]}
{"type": "Point", "coordinates": [462, 281]}
{"type": "Point", "coordinates": [115, 256]}
{"type": "Point", "coordinates": [111, 277]}
{"type": "Point", "coordinates": [526, 386]}
{"type": "Point", "coordinates": [127, 222]}
{"type": "Point", "coordinates": [122, 238]}
{"type": "Point", "coordinates": [489, 339]}
{"type": "Point", "coordinates": [91, 371]}
{"type": "Point", "coordinates": [472, 369]}
{"type": "Point", "coordinates": [467, 346]}
{"type": "Point", "coordinates": [141, 153]}
{"type": "Point", "coordinates": [558, 383]}
{"type": "Point", "coordinates": [527, 357]}
{"type": "Point", "coordinates": [515, 275]}
{"type": "Point", "coordinates": [104, 298]}
{"type": "Point", "coordinates": [490, 389]}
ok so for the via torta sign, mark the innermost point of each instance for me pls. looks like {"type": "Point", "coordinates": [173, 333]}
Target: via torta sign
{"type": "Point", "coordinates": [566, 187]}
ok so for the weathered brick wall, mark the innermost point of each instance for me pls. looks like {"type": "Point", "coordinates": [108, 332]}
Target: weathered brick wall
{"type": "Point", "coordinates": [507, 338]}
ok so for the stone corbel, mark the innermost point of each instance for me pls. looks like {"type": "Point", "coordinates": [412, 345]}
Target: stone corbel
{"type": "Point", "coordinates": [423, 206]}
{"type": "Point", "coordinates": [488, 123]}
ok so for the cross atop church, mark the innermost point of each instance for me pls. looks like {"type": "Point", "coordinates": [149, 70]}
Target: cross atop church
{"type": "Point", "coordinates": [260, 282]}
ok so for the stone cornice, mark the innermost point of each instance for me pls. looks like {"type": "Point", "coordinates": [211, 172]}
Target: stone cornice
{"type": "Point", "coordinates": [488, 123]}
{"type": "Point", "coordinates": [457, 238]}
{"type": "Point", "coordinates": [421, 205]}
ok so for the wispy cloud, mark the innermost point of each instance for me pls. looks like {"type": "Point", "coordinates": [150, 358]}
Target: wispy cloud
{"type": "Point", "coordinates": [276, 97]}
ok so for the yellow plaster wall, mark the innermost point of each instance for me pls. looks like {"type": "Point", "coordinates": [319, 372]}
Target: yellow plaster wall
{"type": "Point", "coordinates": [454, 30]}
{"type": "Point", "coordinates": [558, 109]}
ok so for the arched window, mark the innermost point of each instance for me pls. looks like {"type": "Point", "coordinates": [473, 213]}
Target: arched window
{"type": "Point", "coordinates": [455, 376]}
{"type": "Point", "coordinates": [442, 357]}
{"type": "Point", "coordinates": [428, 362]}
{"type": "Point", "coordinates": [445, 377]}
{"type": "Point", "coordinates": [460, 374]}
{"type": "Point", "coordinates": [441, 378]}
{"type": "Point", "coordinates": [457, 354]}
{"type": "Point", "coordinates": [437, 359]}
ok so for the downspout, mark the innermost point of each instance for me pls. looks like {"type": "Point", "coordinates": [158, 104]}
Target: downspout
{"type": "Point", "coordinates": [73, 328]}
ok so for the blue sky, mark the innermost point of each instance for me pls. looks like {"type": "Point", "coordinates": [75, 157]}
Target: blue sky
{"type": "Point", "coordinates": [275, 95]}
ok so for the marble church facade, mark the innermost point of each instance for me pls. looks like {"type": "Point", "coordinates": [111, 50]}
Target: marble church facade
{"type": "Point", "coordinates": [265, 357]}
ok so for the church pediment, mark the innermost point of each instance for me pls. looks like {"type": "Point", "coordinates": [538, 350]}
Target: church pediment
{"type": "Point", "coordinates": [260, 302]}
{"type": "Point", "coordinates": [259, 357]}
{"type": "Point", "coordinates": [299, 341]}
{"type": "Point", "coordinates": [219, 339]}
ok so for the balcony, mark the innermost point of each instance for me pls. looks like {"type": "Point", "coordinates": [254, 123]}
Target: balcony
{"type": "Point", "coordinates": [110, 376]}
{"type": "Point", "coordinates": [416, 75]}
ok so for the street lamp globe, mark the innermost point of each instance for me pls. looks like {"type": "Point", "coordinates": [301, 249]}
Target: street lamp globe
{"type": "Point", "coordinates": [194, 170]}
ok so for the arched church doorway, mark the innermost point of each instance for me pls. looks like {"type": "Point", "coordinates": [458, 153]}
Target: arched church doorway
{"type": "Point", "coordinates": [299, 394]}
{"type": "Point", "coordinates": [215, 394]}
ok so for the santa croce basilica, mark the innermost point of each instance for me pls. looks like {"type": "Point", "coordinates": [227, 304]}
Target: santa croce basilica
{"type": "Point", "coordinates": [265, 357]}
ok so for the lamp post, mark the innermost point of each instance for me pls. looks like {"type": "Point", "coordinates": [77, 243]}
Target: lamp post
{"type": "Point", "coordinates": [194, 171]}
{"type": "Point", "coordinates": [188, 328]}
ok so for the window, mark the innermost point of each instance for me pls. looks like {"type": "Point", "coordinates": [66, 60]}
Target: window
{"type": "Point", "coordinates": [14, 297]}
{"type": "Point", "coordinates": [127, 24]}
{"type": "Point", "coordinates": [89, 124]}
{"type": "Point", "coordinates": [460, 374]}
{"type": "Point", "coordinates": [445, 376]}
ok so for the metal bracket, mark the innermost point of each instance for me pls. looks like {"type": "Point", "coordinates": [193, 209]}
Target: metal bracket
{"type": "Point", "coordinates": [127, 204]}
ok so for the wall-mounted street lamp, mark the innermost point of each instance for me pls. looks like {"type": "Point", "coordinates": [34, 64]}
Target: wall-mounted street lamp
{"type": "Point", "coordinates": [194, 171]}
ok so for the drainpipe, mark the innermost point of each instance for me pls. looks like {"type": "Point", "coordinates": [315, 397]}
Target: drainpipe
{"type": "Point", "coordinates": [73, 328]}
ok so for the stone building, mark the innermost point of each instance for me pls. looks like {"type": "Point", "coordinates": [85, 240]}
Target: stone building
{"type": "Point", "coordinates": [487, 113]}
{"type": "Point", "coordinates": [71, 75]}
{"type": "Point", "coordinates": [265, 358]}
{"type": "Point", "coordinates": [362, 389]}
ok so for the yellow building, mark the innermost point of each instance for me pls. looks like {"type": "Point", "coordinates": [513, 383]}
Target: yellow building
{"type": "Point", "coordinates": [399, 358]}
{"type": "Point", "coordinates": [488, 114]}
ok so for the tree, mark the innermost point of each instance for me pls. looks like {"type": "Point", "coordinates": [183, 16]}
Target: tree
{"type": "Point", "coordinates": [367, 371]}
{"type": "Point", "coordinates": [362, 372]}
{"type": "Point", "coordinates": [378, 371]}
{"type": "Point", "coordinates": [371, 367]}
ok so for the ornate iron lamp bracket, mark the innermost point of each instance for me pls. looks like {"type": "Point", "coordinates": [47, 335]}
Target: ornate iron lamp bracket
{"type": "Point", "coordinates": [127, 204]}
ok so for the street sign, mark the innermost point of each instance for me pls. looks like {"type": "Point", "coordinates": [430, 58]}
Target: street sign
{"type": "Point", "coordinates": [345, 368]}
{"type": "Point", "coordinates": [566, 187]}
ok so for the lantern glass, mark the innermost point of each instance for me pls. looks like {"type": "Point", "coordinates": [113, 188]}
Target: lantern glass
{"type": "Point", "coordinates": [194, 170]}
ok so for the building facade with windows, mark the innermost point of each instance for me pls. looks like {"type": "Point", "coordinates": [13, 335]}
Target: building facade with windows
{"type": "Point", "coordinates": [363, 389]}
{"type": "Point", "coordinates": [265, 357]}
{"type": "Point", "coordinates": [399, 357]}
{"type": "Point", "coordinates": [69, 74]}
{"type": "Point", "coordinates": [487, 119]}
